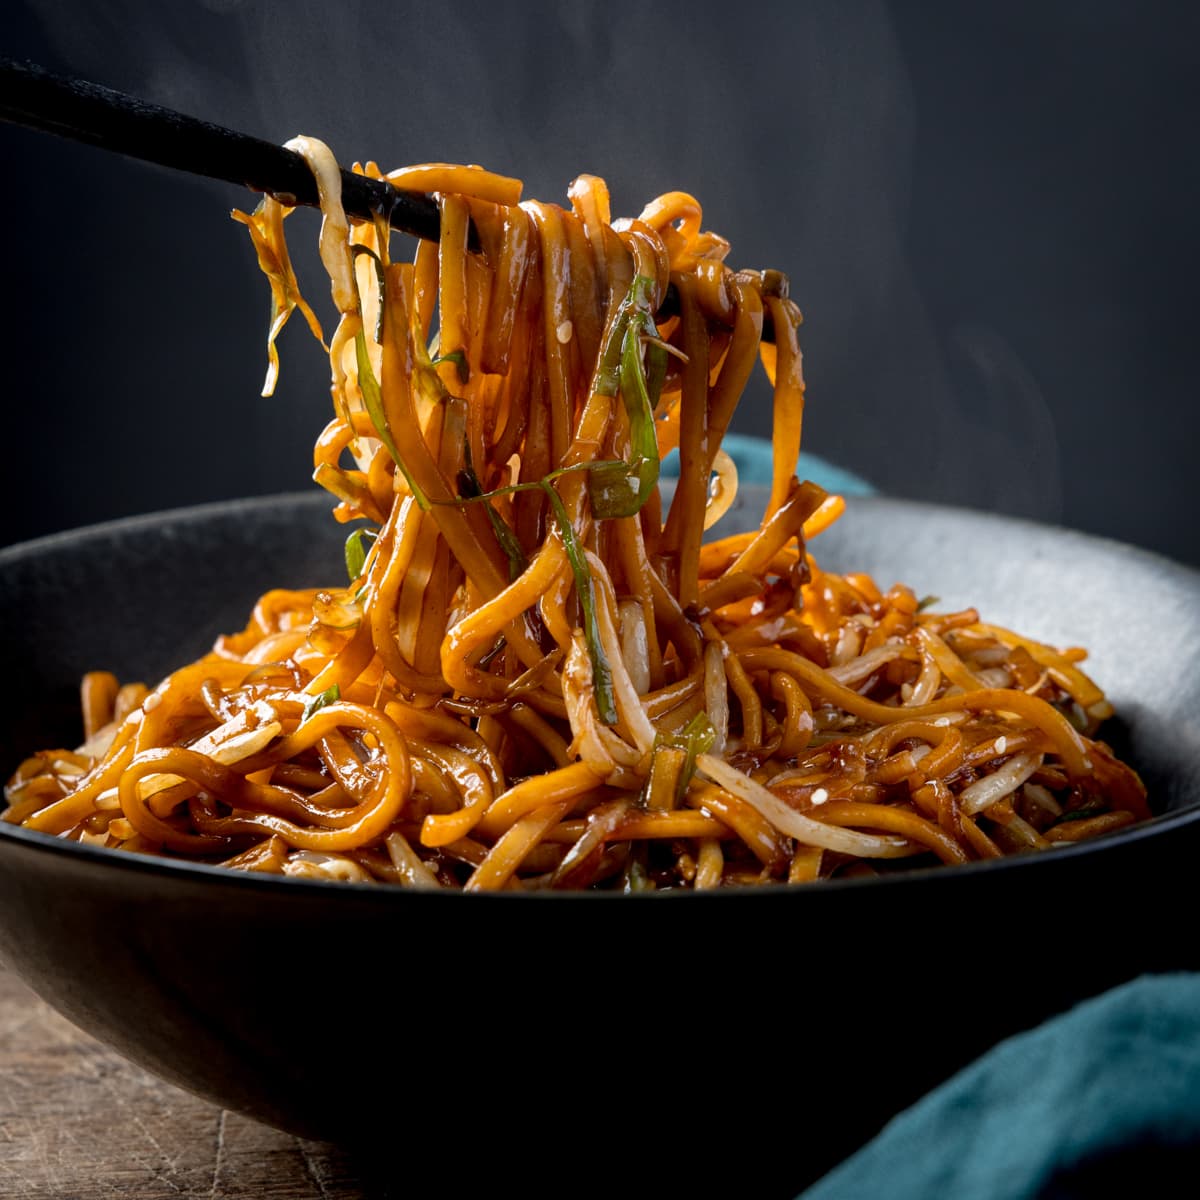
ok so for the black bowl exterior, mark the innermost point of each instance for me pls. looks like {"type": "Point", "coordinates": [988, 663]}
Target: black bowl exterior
{"type": "Point", "coordinates": [450, 1026]}
{"type": "Point", "coordinates": [442, 1023]}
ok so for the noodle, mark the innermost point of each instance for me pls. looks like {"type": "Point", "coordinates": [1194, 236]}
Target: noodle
{"type": "Point", "coordinates": [538, 674]}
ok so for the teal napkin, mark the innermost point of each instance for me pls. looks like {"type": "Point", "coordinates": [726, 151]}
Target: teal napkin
{"type": "Point", "coordinates": [1102, 1101]}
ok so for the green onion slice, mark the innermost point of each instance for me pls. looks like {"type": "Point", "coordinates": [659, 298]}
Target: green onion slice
{"type": "Point", "coordinates": [694, 739]}
{"type": "Point", "coordinates": [373, 399]}
{"type": "Point", "coordinates": [328, 696]}
{"type": "Point", "coordinates": [356, 552]}
{"type": "Point", "coordinates": [469, 488]}
{"type": "Point", "coordinates": [621, 490]}
{"type": "Point", "coordinates": [602, 684]}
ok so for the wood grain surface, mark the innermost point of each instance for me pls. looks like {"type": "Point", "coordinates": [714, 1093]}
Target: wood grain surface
{"type": "Point", "coordinates": [78, 1122]}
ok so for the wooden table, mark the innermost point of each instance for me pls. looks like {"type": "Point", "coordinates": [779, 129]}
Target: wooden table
{"type": "Point", "coordinates": [78, 1121]}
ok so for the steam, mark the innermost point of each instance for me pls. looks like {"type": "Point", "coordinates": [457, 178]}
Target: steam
{"type": "Point", "coordinates": [794, 125]}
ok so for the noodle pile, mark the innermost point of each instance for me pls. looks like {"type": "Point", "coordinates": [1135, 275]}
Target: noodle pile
{"type": "Point", "coordinates": [538, 676]}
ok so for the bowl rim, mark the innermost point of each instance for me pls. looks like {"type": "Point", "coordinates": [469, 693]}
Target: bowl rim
{"type": "Point", "coordinates": [186, 514]}
{"type": "Point", "coordinates": [1159, 825]}
{"type": "Point", "coordinates": [1187, 573]}
{"type": "Point", "coordinates": [37, 842]}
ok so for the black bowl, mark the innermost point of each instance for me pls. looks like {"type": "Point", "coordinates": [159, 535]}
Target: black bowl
{"type": "Point", "coordinates": [549, 1039]}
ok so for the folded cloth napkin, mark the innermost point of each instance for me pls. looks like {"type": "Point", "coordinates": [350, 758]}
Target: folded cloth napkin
{"type": "Point", "coordinates": [1102, 1101]}
{"type": "Point", "coordinates": [752, 457]}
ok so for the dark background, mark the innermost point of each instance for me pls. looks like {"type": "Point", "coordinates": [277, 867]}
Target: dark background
{"type": "Point", "coordinates": [988, 213]}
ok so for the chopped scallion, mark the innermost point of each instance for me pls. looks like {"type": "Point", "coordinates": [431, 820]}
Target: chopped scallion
{"type": "Point", "coordinates": [459, 359]}
{"type": "Point", "coordinates": [328, 696]}
{"type": "Point", "coordinates": [694, 739]}
{"type": "Point", "coordinates": [373, 399]}
{"type": "Point", "coordinates": [356, 552]}
{"type": "Point", "coordinates": [620, 490]}
{"type": "Point", "coordinates": [602, 684]}
{"type": "Point", "coordinates": [469, 488]}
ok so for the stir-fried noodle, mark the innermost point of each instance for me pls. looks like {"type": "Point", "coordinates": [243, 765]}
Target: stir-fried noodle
{"type": "Point", "coordinates": [538, 676]}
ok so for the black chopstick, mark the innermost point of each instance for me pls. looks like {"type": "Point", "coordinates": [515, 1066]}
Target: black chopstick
{"type": "Point", "coordinates": [100, 116]}
{"type": "Point", "coordinates": [87, 112]}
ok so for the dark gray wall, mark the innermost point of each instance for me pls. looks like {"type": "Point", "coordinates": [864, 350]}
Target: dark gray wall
{"type": "Point", "coordinates": [987, 212]}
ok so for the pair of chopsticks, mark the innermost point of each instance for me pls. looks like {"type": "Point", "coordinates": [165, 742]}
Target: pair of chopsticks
{"type": "Point", "coordinates": [87, 112]}
{"type": "Point", "coordinates": [99, 116]}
